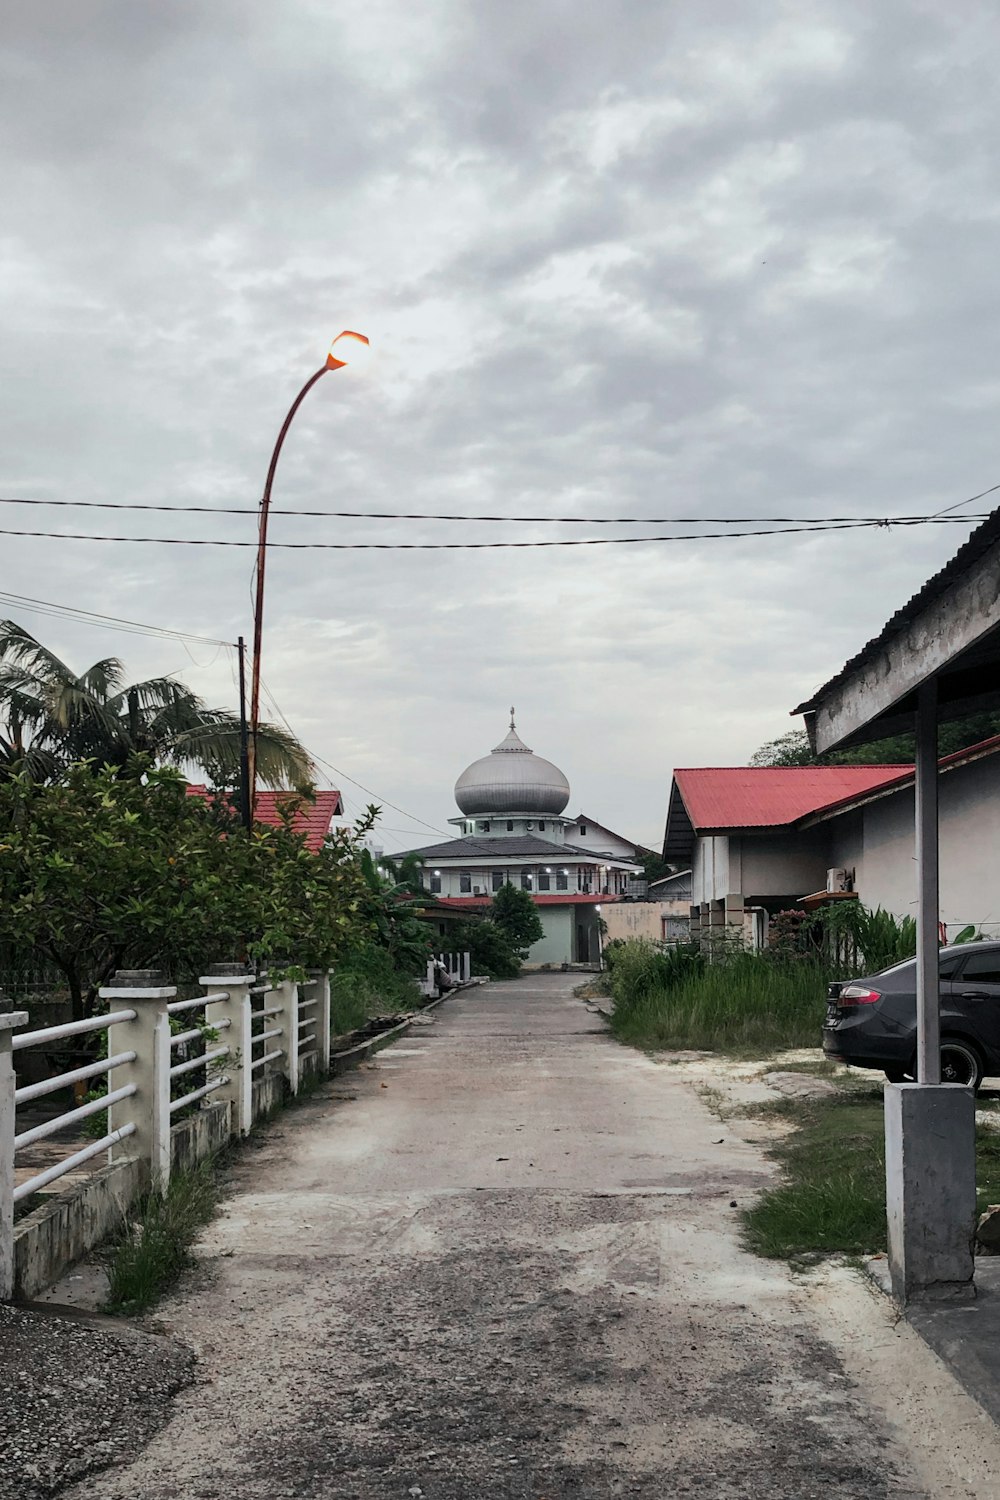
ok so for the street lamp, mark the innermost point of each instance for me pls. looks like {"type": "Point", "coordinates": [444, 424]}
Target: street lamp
{"type": "Point", "coordinates": [333, 362]}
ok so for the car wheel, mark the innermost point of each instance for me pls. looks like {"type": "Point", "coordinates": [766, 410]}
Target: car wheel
{"type": "Point", "coordinates": [896, 1074]}
{"type": "Point", "coordinates": [960, 1063]}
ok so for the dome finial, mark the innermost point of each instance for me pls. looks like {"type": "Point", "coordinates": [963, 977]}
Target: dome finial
{"type": "Point", "coordinates": [512, 724]}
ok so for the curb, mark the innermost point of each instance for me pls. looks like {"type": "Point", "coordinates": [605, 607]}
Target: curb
{"type": "Point", "coordinates": [342, 1062]}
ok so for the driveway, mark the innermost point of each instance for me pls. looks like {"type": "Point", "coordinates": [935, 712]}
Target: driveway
{"type": "Point", "coordinates": [502, 1261]}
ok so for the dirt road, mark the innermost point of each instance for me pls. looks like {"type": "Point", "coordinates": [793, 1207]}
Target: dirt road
{"type": "Point", "coordinates": [503, 1261]}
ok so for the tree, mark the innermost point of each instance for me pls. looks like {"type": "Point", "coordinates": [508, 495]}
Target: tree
{"type": "Point", "coordinates": [101, 871]}
{"type": "Point", "coordinates": [515, 914]}
{"type": "Point", "coordinates": [794, 749]}
{"type": "Point", "coordinates": [52, 718]}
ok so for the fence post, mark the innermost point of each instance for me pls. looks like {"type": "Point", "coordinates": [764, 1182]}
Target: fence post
{"type": "Point", "coordinates": [235, 1009]}
{"type": "Point", "coordinates": [8, 1021]}
{"type": "Point", "coordinates": [286, 994]}
{"type": "Point", "coordinates": [466, 967]}
{"type": "Point", "coordinates": [323, 1021]}
{"type": "Point", "coordinates": [148, 1036]}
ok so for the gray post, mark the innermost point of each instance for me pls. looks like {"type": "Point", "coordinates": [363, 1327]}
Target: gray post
{"type": "Point", "coordinates": [928, 962]}
{"type": "Point", "coordinates": [8, 1021]}
{"type": "Point", "coordinates": [234, 1009]}
{"type": "Point", "coordinates": [323, 1021]}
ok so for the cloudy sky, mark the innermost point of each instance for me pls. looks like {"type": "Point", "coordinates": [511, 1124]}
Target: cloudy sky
{"type": "Point", "coordinates": [625, 259]}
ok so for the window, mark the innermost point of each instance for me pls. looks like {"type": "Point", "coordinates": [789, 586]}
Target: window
{"type": "Point", "coordinates": [562, 880]}
{"type": "Point", "coordinates": [465, 884]}
{"type": "Point", "coordinates": [583, 830]}
{"type": "Point", "coordinates": [510, 825]}
{"type": "Point", "coordinates": [496, 880]}
{"type": "Point", "coordinates": [484, 828]}
{"type": "Point", "coordinates": [984, 967]}
{"type": "Point", "coordinates": [541, 825]}
{"type": "Point", "coordinates": [545, 882]}
{"type": "Point", "coordinates": [436, 885]}
{"type": "Point", "coordinates": [527, 880]}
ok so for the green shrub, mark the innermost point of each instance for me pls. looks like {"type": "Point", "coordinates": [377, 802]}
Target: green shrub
{"type": "Point", "coordinates": [367, 983]}
{"type": "Point", "coordinates": [489, 947]}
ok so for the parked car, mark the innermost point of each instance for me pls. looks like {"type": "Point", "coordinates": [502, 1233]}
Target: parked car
{"type": "Point", "coordinates": [872, 1022]}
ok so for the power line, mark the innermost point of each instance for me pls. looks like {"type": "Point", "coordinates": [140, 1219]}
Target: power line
{"type": "Point", "coordinates": [109, 622]}
{"type": "Point", "coordinates": [390, 515]}
{"type": "Point", "coordinates": [384, 801]}
{"type": "Point", "coordinates": [854, 524]}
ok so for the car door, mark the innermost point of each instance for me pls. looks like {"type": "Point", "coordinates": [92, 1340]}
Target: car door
{"type": "Point", "coordinates": [975, 998]}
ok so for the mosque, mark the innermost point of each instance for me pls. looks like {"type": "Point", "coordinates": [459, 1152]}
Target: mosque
{"type": "Point", "coordinates": [512, 827]}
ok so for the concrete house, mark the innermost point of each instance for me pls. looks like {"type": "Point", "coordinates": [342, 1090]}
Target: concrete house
{"type": "Point", "coordinates": [662, 914]}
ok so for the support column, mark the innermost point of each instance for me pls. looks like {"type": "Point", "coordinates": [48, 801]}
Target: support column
{"type": "Point", "coordinates": [287, 996]}
{"type": "Point", "coordinates": [928, 963]}
{"type": "Point", "coordinates": [9, 1020]}
{"type": "Point", "coordinates": [143, 991]}
{"type": "Point", "coordinates": [323, 1022]}
{"type": "Point", "coordinates": [235, 1009]}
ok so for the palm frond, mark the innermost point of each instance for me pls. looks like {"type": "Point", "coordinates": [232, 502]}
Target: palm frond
{"type": "Point", "coordinates": [282, 762]}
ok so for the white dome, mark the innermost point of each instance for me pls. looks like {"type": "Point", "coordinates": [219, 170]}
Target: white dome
{"type": "Point", "coordinates": [511, 779]}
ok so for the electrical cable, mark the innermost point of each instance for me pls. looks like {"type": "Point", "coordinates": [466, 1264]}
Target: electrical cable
{"type": "Point", "coordinates": [885, 522]}
{"type": "Point", "coordinates": [108, 622]}
{"type": "Point", "coordinates": [389, 515]}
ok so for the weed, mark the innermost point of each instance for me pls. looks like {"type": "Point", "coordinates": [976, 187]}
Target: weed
{"type": "Point", "coordinates": [153, 1246]}
{"type": "Point", "coordinates": [368, 984]}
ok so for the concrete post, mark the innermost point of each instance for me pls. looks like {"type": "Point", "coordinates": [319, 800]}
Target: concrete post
{"type": "Point", "coordinates": [323, 1023]}
{"type": "Point", "coordinates": [9, 1020]}
{"type": "Point", "coordinates": [930, 1169]}
{"type": "Point", "coordinates": [466, 967]}
{"type": "Point", "coordinates": [287, 996]}
{"type": "Point", "coordinates": [143, 991]}
{"type": "Point", "coordinates": [234, 1008]}
{"type": "Point", "coordinates": [928, 962]}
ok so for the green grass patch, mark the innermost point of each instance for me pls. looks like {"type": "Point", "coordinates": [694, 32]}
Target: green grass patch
{"type": "Point", "coordinates": [831, 1199]}
{"type": "Point", "coordinates": [750, 1006]}
{"type": "Point", "coordinates": [367, 984]}
{"type": "Point", "coordinates": [153, 1246]}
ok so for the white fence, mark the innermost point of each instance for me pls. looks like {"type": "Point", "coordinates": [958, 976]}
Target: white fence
{"type": "Point", "coordinates": [245, 1044]}
{"type": "Point", "coordinates": [444, 972]}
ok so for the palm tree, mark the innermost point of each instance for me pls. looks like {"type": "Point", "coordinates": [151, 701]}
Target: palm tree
{"type": "Point", "coordinates": [50, 717]}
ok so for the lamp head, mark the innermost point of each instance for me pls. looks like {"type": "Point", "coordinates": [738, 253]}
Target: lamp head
{"type": "Point", "coordinates": [333, 361]}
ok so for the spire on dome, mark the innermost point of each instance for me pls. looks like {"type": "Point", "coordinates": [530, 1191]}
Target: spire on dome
{"type": "Point", "coordinates": [512, 724]}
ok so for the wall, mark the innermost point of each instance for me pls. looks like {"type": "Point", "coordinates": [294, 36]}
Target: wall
{"type": "Point", "coordinates": [784, 864]}
{"type": "Point", "coordinates": [642, 919]}
{"type": "Point", "coordinates": [970, 850]}
{"type": "Point", "coordinates": [556, 947]}
{"type": "Point", "coordinates": [599, 839]}
{"type": "Point", "coordinates": [710, 869]}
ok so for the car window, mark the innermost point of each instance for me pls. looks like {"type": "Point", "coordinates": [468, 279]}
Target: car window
{"type": "Point", "coordinates": [983, 966]}
{"type": "Point", "coordinates": [949, 967]}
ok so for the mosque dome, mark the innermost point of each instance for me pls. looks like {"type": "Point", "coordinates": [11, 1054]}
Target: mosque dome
{"type": "Point", "coordinates": [511, 779]}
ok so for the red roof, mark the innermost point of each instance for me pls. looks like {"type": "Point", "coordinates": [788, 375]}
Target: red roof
{"type": "Point", "coordinates": [725, 797]}
{"type": "Point", "coordinates": [312, 820]}
{"type": "Point", "coordinates": [560, 900]}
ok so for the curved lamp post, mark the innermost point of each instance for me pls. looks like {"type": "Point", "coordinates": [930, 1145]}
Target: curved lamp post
{"type": "Point", "coordinates": [333, 362]}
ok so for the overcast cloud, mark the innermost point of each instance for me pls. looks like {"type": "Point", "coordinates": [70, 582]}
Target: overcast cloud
{"type": "Point", "coordinates": [630, 258]}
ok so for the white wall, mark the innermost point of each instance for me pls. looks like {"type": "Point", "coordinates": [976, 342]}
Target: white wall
{"type": "Point", "coordinates": [598, 838]}
{"type": "Point", "coordinates": [710, 869]}
{"type": "Point", "coordinates": [785, 864]}
{"type": "Point", "coordinates": [970, 850]}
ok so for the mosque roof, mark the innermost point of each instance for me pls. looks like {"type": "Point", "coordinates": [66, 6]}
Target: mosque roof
{"type": "Point", "coordinates": [512, 778]}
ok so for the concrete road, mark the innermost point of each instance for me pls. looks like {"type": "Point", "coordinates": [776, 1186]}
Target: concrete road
{"type": "Point", "coordinates": [502, 1261]}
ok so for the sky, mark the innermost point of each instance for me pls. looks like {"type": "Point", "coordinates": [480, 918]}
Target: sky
{"type": "Point", "coordinates": [620, 260]}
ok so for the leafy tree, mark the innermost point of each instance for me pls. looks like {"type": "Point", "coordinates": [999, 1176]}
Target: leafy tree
{"type": "Point", "coordinates": [794, 749]}
{"type": "Point", "coordinates": [392, 914]}
{"type": "Point", "coordinates": [489, 947]}
{"type": "Point", "coordinates": [101, 871]}
{"type": "Point", "coordinates": [50, 717]}
{"type": "Point", "coordinates": [516, 915]}
{"type": "Point", "coordinates": [654, 866]}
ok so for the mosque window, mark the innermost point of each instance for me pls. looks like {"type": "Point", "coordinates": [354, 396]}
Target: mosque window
{"type": "Point", "coordinates": [496, 879]}
{"type": "Point", "coordinates": [544, 882]}
{"type": "Point", "coordinates": [484, 828]}
{"type": "Point", "coordinates": [510, 825]}
{"type": "Point", "coordinates": [583, 830]}
{"type": "Point", "coordinates": [541, 825]}
{"type": "Point", "coordinates": [527, 880]}
{"type": "Point", "coordinates": [465, 883]}
{"type": "Point", "coordinates": [562, 880]}
{"type": "Point", "coordinates": [436, 885]}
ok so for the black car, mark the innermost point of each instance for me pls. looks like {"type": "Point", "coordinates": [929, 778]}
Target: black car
{"type": "Point", "coordinates": [872, 1022]}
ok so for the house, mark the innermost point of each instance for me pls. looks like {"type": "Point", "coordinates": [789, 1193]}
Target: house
{"type": "Point", "coordinates": [739, 829]}
{"type": "Point", "coordinates": [513, 829]}
{"type": "Point", "coordinates": [312, 818]}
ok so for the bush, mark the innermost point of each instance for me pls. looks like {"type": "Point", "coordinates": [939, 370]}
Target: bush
{"type": "Point", "coordinates": [366, 983]}
{"type": "Point", "coordinates": [489, 948]}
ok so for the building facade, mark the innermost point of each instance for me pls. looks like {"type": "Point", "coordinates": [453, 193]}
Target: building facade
{"type": "Point", "coordinates": [512, 829]}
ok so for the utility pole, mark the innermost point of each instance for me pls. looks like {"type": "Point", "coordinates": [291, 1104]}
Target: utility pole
{"type": "Point", "coordinates": [245, 810]}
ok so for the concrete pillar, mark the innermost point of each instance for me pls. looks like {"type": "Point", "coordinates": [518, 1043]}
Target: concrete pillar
{"type": "Point", "coordinates": [928, 962]}
{"type": "Point", "coordinates": [143, 991]}
{"type": "Point", "coordinates": [236, 1009]}
{"type": "Point", "coordinates": [930, 1169]}
{"type": "Point", "coordinates": [9, 1020]}
{"type": "Point", "coordinates": [287, 996]}
{"type": "Point", "coordinates": [322, 1013]}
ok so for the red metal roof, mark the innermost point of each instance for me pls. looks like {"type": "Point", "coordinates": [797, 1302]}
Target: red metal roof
{"type": "Point", "coordinates": [539, 900]}
{"type": "Point", "coordinates": [312, 819]}
{"type": "Point", "coordinates": [724, 797]}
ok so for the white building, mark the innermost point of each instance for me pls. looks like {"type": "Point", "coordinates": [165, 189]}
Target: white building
{"type": "Point", "coordinates": [512, 828]}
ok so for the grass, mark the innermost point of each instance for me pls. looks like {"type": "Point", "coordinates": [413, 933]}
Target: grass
{"type": "Point", "coordinates": [366, 984]}
{"type": "Point", "coordinates": [832, 1196]}
{"type": "Point", "coordinates": [751, 1005]}
{"type": "Point", "coordinates": [153, 1246]}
